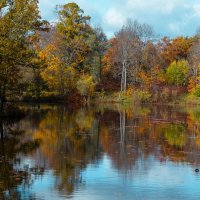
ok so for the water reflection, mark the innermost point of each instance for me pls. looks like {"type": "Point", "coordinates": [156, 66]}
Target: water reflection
{"type": "Point", "coordinates": [11, 146]}
{"type": "Point", "coordinates": [67, 152]}
{"type": "Point", "coordinates": [69, 143]}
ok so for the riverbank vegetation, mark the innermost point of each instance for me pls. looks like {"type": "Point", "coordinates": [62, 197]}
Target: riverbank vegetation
{"type": "Point", "coordinates": [70, 60]}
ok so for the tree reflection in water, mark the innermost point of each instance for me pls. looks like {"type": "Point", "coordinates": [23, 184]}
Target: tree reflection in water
{"type": "Point", "coordinates": [67, 141]}
{"type": "Point", "coordinates": [10, 146]}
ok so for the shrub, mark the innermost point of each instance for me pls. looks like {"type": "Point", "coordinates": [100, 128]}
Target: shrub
{"type": "Point", "coordinates": [129, 92]}
{"type": "Point", "coordinates": [141, 96]}
{"type": "Point", "coordinates": [86, 85]}
{"type": "Point", "coordinates": [177, 72]}
{"type": "Point", "coordinates": [196, 91]}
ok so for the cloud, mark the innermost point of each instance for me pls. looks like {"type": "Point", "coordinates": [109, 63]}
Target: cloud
{"type": "Point", "coordinates": [165, 7]}
{"type": "Point", "coordinates": [168, 17]}
{"type": "Point", "coordinates": [196, 9]}
{"type": "Point", "coordinates": [114, 18]}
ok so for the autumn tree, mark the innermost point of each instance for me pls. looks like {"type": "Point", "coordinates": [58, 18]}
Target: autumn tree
{"type": "Point", "coordinates": [59, 79]}
{"type": "Point", "coordinates": [150, 56]}
{"type": "Point", "coordinates": [74, 31]}
{"type": "Point", "coordinates": [109, 59]}
{"type": "Point", "coordinates": [67, 50]}
{"type": "Point", "coordinates": [85, 85]}
{"type": "Point", "coordinates": [19, 22]}
{"type": "Point", "coordinates": [175, 49]}
{"type": "Point", "coordinates": [177, 72]}
{"type": "Point", "coordinates": [194, 61]}
{"type": "Point", "coordinates": [124, 57]}
{"type": "Point", "coordinates": [151, 73]}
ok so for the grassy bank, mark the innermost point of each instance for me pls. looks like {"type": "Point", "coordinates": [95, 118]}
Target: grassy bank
{"type": "Point", "coordinates": [145, 97]}
{"type": "Point", "coordinates": [118, 97]}
{"type": "Point", "coordinates": [190, 100]}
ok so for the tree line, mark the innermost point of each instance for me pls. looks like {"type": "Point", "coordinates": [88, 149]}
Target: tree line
{"type": "Point", "coordinates": [72, 59]}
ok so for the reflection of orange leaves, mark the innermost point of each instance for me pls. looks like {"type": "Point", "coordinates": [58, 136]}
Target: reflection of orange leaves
{"type": "Point", "coordinates": [177, 157]}
{"type": "Point", "coordinates": [84, 120]}
{"type": "Point", "coordinates": [54, 129]}
{"type": "Point", "coordinates": [141, 130]}
{"type": "Point", "coordinates": [198, 142]}
{"type": "Point", "coordinates": [190, 122]}
{"type": "Point", "coordinates": [47, 136]}
{"type": "Point", "coordinates": [105, 138]}
{"type": "Point", "coordinates": [129, 114]}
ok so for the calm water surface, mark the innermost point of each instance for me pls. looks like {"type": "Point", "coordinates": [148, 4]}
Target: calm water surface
{"type": "Point", "coordinates": [101, 152]}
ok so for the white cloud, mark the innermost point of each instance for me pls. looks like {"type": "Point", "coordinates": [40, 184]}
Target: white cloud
{"type": "Point", "coordinates": [114, 18]}
{"type": "Point", "coordinates": [196, 9]}
{"type": "Point", "coordinates": [168, 17]}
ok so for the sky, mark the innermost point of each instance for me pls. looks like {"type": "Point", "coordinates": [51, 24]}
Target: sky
{"type": "Point", "coordinates": [168, 17]}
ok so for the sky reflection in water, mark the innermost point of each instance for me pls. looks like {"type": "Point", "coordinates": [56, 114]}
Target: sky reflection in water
{"type": "Point", "coordinates": [102, 153]}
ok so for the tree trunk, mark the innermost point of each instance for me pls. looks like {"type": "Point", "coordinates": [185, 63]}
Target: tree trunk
{"type": "Point", "coordinates": [122, 79]}
{"type": "Point", "coordinates": [2, 98]}
{"type": "Point", "coordinates": [1, 129]}
{"type": "Point", "coordinates": [3, 145]}
{"type": "Point", "coordinates": [122, 83]}
{"type": "Point", "coordinates": [125, 74]}
{"type": "Point", "coordinates": [2, 105]}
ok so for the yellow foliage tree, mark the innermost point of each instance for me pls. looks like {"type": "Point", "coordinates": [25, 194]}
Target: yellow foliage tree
{"type": "Point", "coordinates": [60, 79]}
{"type": "Point", "coordinates": [86, 85]}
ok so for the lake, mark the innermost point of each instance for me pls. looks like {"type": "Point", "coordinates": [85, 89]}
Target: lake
{"type": "Point", "coordinates": [101, 152]}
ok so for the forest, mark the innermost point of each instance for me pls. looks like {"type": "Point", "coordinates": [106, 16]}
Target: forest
{"type": "Point", "coordinates": [71, 60]}
{"type": "Point", "coordinates": [87, 115]}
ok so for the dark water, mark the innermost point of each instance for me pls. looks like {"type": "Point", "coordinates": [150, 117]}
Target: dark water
{"type": "Point", "coordinates": [101, 152]}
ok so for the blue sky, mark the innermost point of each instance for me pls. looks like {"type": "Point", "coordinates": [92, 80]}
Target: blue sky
{"type": "Point", "coordinates": [168, 17]}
